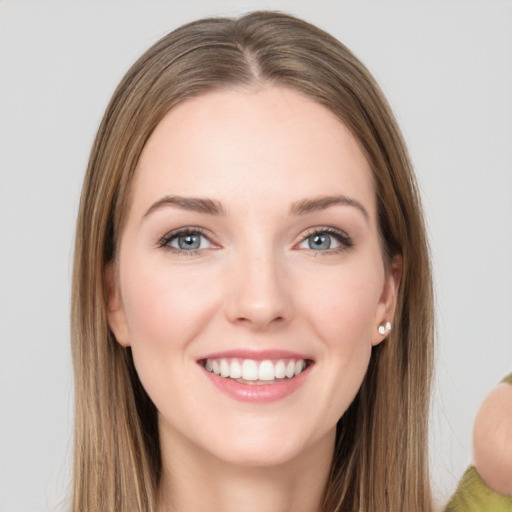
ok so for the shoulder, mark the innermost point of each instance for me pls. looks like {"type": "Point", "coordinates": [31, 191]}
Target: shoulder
{"type": "Point", "coordinates": [492, 438]}
{"type": "Point", "coordinates": [487, 486]}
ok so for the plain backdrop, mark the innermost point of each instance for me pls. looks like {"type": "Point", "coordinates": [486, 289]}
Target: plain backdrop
{"type": "Point", "coordinates": [446, 67]}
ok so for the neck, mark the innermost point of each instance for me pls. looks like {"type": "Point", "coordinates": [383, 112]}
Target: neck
{"type": "Point", "coordinates": [193, 480]}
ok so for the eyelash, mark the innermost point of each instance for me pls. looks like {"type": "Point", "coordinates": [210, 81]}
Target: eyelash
{"type": "Point", "coordinates": [340, 236]}
{"type": "Point", "coordinates": [345, 241]}
{"type": "Point", "coordinates": [165, 241]}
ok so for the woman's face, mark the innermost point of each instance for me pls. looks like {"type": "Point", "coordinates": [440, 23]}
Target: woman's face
{"type": "Point", "coordinates": [251, 248]}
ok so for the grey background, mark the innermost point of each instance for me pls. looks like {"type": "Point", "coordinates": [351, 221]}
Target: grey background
{"type": "Point", "coordinates": [446, 67]}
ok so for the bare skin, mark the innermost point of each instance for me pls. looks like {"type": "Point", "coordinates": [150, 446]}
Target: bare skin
{"type": "Point", "coordinates": [227, 488]}
{"type": "Point", "coordinates": [492, 439]}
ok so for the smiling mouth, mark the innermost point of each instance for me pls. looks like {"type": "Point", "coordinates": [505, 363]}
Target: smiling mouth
{"type": "Point", "coordinates": [254, 372]}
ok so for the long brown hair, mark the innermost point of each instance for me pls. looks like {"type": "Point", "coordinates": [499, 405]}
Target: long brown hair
{"type": "Point", "coordinates": [381, 461]}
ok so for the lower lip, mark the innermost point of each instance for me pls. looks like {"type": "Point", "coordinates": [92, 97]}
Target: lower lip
{"type": "Point", "coordinates": [260, 393]}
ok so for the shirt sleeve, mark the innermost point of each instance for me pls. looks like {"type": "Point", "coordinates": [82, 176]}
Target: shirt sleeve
{"type": "Point", "coordinates": [508, 379]}
{"type": "Point", "coordinates": [473, 495]}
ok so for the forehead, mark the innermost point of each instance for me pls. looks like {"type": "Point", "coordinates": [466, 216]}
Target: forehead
{"type": "Point", "coordinates": [243, 145]}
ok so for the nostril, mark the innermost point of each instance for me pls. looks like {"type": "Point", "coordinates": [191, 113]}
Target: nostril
{"type": "Point", "coordinates": [260, 322]}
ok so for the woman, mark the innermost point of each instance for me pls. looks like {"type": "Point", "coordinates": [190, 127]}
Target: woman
{"type": "Point", "coordinates": [252, 303]}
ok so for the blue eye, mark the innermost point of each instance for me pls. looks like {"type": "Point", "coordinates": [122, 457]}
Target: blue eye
{"type": "Point", "coordinates": [326, 240]}
{"type": "Point", "coordinates": [319, 242]}
{"type": "Point", "coordinates": [186, 241]}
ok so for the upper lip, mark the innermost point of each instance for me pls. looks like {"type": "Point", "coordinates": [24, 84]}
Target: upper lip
{"type": "Point", "coordinates": [257, 355]}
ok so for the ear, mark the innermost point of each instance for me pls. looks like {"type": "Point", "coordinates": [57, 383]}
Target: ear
{"type": "Point", "coordinates": [387, 303]}
{"type": "Point", "coordinates": [115, 309]}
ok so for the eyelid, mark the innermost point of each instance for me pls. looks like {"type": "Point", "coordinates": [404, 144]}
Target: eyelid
{"type": "Point", "coordinates": [164, 241]}
{"type": "Point", "coordinates": [341, 236]}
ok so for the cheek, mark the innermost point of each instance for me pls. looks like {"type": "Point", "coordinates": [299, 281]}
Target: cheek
{"type": "Point", "coordinates": [165, 310]}
{"type": "Point", "coordinates": [165, 306]}
{"type": "Point", "coordinates": [342, 305]}
{"type": "Point", "coordinates": [342, 310]}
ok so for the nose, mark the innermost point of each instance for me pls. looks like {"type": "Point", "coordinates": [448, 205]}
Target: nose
{"type": "Point", "coordinates": [259, 293]}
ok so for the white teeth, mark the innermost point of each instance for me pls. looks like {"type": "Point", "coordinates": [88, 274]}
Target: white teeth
{"type": "Point", "coordinates": [235, 370]}
{"type": "Point", "coordinates": [266, 371]}
{"type": "Point", "coordinates": [290, 369]}
{"type": "Point", "coordinates": [251, 370]}
{"type": "Point", "coordinates": [280, 370]}
{"type": "Point", "coordinates": [224, 368]}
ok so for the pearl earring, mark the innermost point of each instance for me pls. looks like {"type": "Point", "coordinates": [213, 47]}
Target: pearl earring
{"type": "Point", "coordinates": [385, 328]}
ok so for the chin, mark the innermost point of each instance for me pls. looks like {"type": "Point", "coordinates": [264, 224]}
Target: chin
{"type": "Point", "coordinates": [269, 447]}
{"type": "Point", "coordinates": [258, 455]}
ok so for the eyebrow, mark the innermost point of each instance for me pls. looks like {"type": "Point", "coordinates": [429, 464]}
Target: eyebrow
{"type": "Point", "coordinates": [321, 203]}
{"type": "Point", "coordinates": [193, 204]}
{"type": "Point", "coordinates": [213, 207]}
